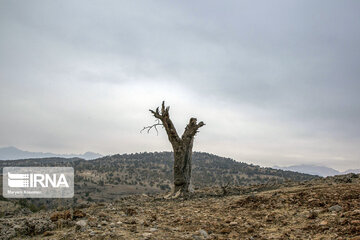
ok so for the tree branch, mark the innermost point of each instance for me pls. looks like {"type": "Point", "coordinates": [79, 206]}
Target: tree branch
{"type": "Point", "coordinates": [191, 129]}
{"type": "Point", "coordinates": [164, 117]}
{"type": "Point", "coordinates": [153, 126]}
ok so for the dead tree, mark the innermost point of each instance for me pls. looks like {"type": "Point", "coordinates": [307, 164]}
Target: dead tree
{"type": "Point", "coordinates": [182, 147]}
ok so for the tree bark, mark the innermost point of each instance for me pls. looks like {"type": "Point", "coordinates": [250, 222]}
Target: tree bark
{"type": "Point", "coordinates": [182, 148]}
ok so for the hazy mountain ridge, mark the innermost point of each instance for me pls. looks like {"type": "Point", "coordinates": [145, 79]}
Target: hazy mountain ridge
{"type": "Point", "coordinates": [13, 153]}
{"type": "Point", "coordinates": [316, 170]}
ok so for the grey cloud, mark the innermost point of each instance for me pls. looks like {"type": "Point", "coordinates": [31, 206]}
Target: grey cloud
{"type": "Point", "coordinates": [295, 61]}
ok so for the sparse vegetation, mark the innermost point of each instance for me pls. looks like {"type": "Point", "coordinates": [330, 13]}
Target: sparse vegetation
{"type": "Point", "coordinates": [325, 208]}
{"type": "Point", "coordinates": [111, 177]}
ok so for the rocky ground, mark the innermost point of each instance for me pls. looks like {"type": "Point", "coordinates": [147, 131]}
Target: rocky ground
{"type": "Point", "coordinates": [319, 209]}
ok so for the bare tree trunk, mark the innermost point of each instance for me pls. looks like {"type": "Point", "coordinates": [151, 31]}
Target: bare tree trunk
{"type": "Point", "coordinates": [182, 168]}
{"type": "Point", "coordinates": [182, 148]}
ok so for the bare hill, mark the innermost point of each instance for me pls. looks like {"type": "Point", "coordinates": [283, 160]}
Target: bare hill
{"type": "Point", "coordinates": [109, 177]}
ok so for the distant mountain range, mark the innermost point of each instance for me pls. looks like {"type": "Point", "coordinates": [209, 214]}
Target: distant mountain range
{"type": "Point", "coordinates": [316, 170]}
{"type": "Point", "coordinates": [13, 153]}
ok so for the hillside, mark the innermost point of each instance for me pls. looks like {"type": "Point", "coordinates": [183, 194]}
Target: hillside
{"type": "Point", "coordinates": [109, 177]}
{"type": "Point", "coordinates": [326, 208]}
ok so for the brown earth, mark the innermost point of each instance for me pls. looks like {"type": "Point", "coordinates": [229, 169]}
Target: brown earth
{"type": "Point", "coordinates": [320, 209]}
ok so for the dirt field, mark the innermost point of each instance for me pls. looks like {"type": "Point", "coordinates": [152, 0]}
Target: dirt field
{"type": "Point", "coordinates": [322, 209]}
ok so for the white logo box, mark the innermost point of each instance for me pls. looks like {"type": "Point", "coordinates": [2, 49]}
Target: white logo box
{"type": "Point", "coordinates": [38, 182]}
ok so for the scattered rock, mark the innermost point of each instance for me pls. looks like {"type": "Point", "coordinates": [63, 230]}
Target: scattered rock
{"type": "Point", "coordinates": [355, 222]}
{"type": "Point", "coordinates": [130, 212]}
{"type": "Point", "coordinates": [25, 227]}
{"type": "Point", "coordinates": [233, 235]}
{"type": "Point", "coordinates": [309, 210]}
{"type": "Point", "coordinates": [81, 225]}
{"type": "Point", "coordinates": [92, 221]}
{"type": "Point", "coordinates": [82, 205]}
{"type": "Point", "coordinates": [203, 233]}
{"type": "Point", "coordinates": [225, 230]}
{"type": "Point", "coordinates": [313, 215]}
{"type": "Point", "coordinates": [250, 230]}
{"type": "Point", "coordinates": [130, 221]}
{"type": "Point", "coordinates": [60, 215]}
{"type": "Point", "coordinates": [323, 223]}
{"type": "Point", "coordinates": [68, 235]}
{"type": "Point", "coordinates": [102, 215]}
{"type": "Point", "coordinates": [335, 208]}
{"type": "Point", "coordinates": [78, 214]}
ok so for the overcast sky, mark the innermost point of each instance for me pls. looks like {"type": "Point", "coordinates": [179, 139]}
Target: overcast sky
{"type": "Point", "coordinates": [276, 82]}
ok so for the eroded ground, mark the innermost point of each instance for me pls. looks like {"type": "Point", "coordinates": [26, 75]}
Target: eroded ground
{"type": "Point", "coordinates": [322, 209]}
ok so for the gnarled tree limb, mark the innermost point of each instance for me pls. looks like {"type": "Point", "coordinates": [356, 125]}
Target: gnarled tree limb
{"type": "Point", "coordinates": [152, 126]}
{"type": "Point", "coordinates": [191, 129]}
{"type": "Point", "coordinates": [164, 117]}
